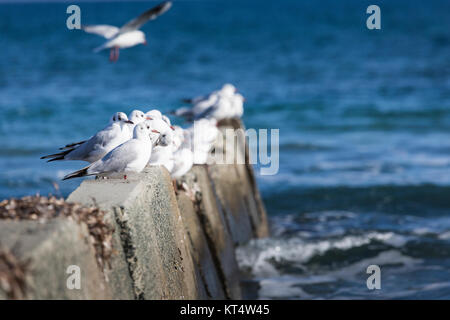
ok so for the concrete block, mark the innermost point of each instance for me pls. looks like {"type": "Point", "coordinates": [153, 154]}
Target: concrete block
{"type": "Point", "coordinates": [236, 188]}
{"type": "Point", "coordinates": [151, 231]}
{"type": "Point", "coordinates": [205, 268]}
{"type": "Point", "coordinates": [51, 248]}
{"type": "Point", "coordinates": [216, 230]}
{"type": "Point", "coordinates": [228, 187]}
{"type": "Point", "coordinates": [117, 274]}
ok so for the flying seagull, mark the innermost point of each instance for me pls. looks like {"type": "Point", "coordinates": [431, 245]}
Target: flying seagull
{"type": "Point", "coordinates": [129, 34]}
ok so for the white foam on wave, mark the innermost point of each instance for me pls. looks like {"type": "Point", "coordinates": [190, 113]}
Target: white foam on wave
{"type": "Point", "coordinates": [260, 256]}
{"type": "Point", "coordinates": [298, 286]}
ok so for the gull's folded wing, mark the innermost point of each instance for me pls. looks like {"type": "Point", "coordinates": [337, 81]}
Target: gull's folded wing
{"type": "Point", "coordinates": [150, 14]}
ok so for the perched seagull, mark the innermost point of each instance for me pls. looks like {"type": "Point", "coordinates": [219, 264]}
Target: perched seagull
{"type": "Point", "coordinates": [129, 157]}
{"type": "Point", "coordinates": [128, 35]}
{"type": "Point", "coordinates": [136, 116]}
{"type": "Point", "coordinates": [100, 144]}
{"type": "Point", "coordinates": [230, 104]}
{"type": "Point", "coordinates": [183, 161]}
{"type": "Point", "coordinates": [163, 153]}
{"type": "Point", "coordinates": [218, 104]}
{"type": "Point", "coordinates": [203, 134]}
{"type": "Point", "coordinates": [182, 155]}
{"type": "Point", "coordinates": [237, 104]}
{"type": "Point", "coordinates": [154, 113]}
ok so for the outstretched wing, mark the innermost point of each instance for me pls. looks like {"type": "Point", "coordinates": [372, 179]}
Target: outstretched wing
{"type": "Point", "coordinates": [148, 15]}
{"type": "Point", "coordinates": [103, 30]}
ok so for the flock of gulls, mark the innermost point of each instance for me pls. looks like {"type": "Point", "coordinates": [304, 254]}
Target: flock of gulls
{"type": "Point", "coordinates": [129, 143]}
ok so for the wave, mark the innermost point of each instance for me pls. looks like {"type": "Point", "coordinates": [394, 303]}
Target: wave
{"type": "Point", "coordinates": [265, 257]}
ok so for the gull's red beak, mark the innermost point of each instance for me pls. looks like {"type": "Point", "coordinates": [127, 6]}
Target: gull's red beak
{"type": "Point", "coordinates": [149, 118]}
{"type": "Point", "coordinates": [172, 127]}
{"type": "Point", "coordinates": [155, 131]}
{"type": "Point", "coordinates": [129, 121]}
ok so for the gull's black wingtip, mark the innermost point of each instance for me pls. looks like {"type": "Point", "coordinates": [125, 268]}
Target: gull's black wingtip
{"type": "Point", "coordinates": [76, 174]}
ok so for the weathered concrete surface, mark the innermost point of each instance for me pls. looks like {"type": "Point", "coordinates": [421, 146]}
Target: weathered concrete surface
{"type": "Point", "coordinates": [116, 273]}
{"type": "Point", "coordinates": [260, 223]}
{"type": "Point", "coordinates": [216, 230]}
{"type": "Point", "coordinates": [202, 256]}
{"type": "Point", "coordinates": [51, 248]}
{"type": "Point", "coordinates": [146, 212]}
{"type": "Point", "coordinates": [236, 188]}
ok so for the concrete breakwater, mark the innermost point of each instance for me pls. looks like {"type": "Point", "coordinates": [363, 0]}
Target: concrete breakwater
{"type": "Point", "coordinates": [167, 243]}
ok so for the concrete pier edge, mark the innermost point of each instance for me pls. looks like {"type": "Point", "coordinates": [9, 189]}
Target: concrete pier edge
{"type": "Point", "coordinates": [168, 243]}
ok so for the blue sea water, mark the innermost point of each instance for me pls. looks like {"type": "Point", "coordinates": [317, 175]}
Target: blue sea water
{"type": "Point", "coordinates": [364, 119]}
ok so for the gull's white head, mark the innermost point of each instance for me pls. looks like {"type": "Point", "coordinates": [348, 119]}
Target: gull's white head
{"type": "Point", "coordinates": [141, 131]}
{"type": "Point", "coordinates": [137, 116]}
{"type": "Point", "coordinates": [154, 135]}
{"type": "Point", "coordinates": [228, 89]}
{"type": "Point", "coordinates": [138, 37]}
{"type": "Point", "coordinates": [120, 117]}
{"type": "Point", "coordinates": [154, 114]}
{"type": "Point", "coordinates": [165, 130]}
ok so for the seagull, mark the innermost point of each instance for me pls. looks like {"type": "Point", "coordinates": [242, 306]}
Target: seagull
{"type": "Point", "coordinates": [230, 104]}
{"type": "Point", "coordinates": [182, 155]}
{"type": "Point", "coordinates": [183, 161]}
{"type": "Point", "coordinates": [129, 157]}
{"type": "Point", "coordinates": [155, 113]}
{"type": "Point", "coordinates": [98, 145]}
{"type": "Point", "coordinates": [202, 135]}
{"type": "Point", "coordinates": [136, 116]}
{"type": "Point", "coordinates": [218, 104]}
{"type": "Point", "coordinates": [237, 103]}
{"type": "Point", "coordinates": [163, 153]}
{"type": "Point", "coordinates": [129, 34]}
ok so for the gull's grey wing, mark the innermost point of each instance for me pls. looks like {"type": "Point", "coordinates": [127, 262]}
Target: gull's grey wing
{"type": "Point", "coordinates": [148, 15]}
{"type": "Point", "coordinates": [93, 145]}
{"type": "Point", "coordinates": [117, 159]}
{"type": "Point", "coordinates": [103, 30]}
{"type": "Point", "coordinates": [72, 145]}
{"type": "Point", "coordinates": [205, 113]}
